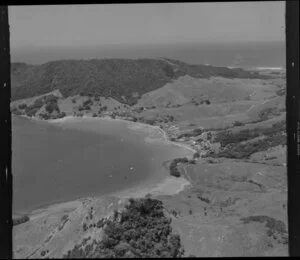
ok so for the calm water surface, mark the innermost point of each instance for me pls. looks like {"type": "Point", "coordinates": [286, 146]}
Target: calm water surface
{"type": "Point", "coordinates": [57, 163]}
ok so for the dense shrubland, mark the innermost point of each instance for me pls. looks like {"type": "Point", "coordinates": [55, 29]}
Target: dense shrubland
{"type": "Point", "coordinates": [196, 155]}
{"type": "Point", "coordinates": [49, 102]}
{"type": "Point", "coordinates": [141, 230]}
{"type": "Point", "coordinates": [244, 151]}
{"type": "Point", "coordinates": [233, 146]}
{"type": "Point", "coordinates": [174, 166]}
{"type": "Point", "coordinates": [51, 107]}
{"type": "Point", "coordinates": [195, 132]}
{"type": "Point", "coordinates": [202, 102]}
{"type": "Point", "coordinates": [238, 123]}
{"type": "Point", "coordinates": [226, 137]}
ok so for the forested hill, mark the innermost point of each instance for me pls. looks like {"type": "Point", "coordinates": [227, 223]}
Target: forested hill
{"type": "Point", "coordinates": [122, 79]}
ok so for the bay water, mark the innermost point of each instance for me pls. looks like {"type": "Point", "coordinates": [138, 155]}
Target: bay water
{"type": "Point", "coordinates": [59, 162]}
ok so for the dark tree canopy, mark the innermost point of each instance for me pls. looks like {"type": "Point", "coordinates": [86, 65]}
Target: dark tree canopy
{"type": "Point", "coordinates": [141, 230]}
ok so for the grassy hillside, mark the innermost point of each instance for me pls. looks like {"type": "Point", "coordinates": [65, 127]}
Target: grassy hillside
{"type": "Point", "coordinates": [232, 209]}
{"type": "Point", "coordinates": [200, 91]}
{"type": "Point", "coordinates": [122, 79]}
{"type": "Point", "coordinates": [236, 202]}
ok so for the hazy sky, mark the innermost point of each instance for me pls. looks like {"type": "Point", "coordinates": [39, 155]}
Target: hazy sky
{"type": "Point", "coordinates": [85, 25]}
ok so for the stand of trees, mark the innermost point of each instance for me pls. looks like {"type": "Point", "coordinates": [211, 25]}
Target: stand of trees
{"type": "Point", "coordinates": [195, 132]}
{"type": "Point", "coordinates": [173, 166]}
{"type": "Point", "coordinates": [141, 230]}
{"type": "Point", "coordinates": [50, 102]}
{"type": "Point", "coordinates": [51, 107]}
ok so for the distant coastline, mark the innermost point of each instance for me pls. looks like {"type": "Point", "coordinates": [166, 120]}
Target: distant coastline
{"type": "Point", "coordinates": [272, 53]}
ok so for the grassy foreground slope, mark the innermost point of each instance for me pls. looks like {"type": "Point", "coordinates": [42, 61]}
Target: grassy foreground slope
{"type": "Point", "coordinates": [232, 208]}
{"type": "Point", "coordinates": [105, 227]}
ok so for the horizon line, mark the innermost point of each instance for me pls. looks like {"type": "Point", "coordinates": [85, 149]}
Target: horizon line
{"type": "Point", "coordinates": [17, 48]}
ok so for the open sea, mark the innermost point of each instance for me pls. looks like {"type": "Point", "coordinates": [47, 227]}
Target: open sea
{"type": "Point", "coordinates": [53, 164]}
{"type": "Point", "coordinates": [249, 55]}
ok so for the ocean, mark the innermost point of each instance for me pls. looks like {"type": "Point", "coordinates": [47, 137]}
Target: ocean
{"type": "Point", "coordinates": [53, 164]}
{"type": "Point", "coordinates": [249, 55]}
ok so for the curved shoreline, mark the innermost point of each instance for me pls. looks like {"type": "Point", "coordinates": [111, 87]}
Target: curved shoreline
{"type": "Point", "coordinates": [166, 185]}
{"type": "Point", "coordinates": [131, 125]}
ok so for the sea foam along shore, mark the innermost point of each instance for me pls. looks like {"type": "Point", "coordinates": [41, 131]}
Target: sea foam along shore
{"type": "Point", "coordinates": [168, 186]}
